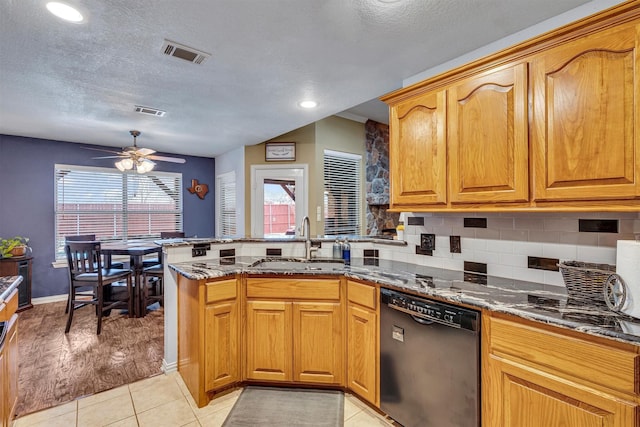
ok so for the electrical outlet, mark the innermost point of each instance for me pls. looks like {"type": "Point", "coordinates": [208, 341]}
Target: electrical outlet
{"type": "Point", "coordinates": [454, 245]}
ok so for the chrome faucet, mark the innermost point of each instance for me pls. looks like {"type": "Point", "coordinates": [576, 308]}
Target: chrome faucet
{"type": "Point", "coordinates": [306, 233]}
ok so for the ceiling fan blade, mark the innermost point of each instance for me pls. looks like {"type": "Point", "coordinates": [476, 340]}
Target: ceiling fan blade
{"type": "Point", "coordinates": [167, 159]}
{"type": "Point", "coordinates": [109, 157]}
{"type": "Point", "coordinates": [100, 149]}
{"type": "Point", "coordinates": [145, 151]}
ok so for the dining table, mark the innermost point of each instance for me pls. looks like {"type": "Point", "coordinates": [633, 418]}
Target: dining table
{"type": "Point", "coordinates": [136, 250]}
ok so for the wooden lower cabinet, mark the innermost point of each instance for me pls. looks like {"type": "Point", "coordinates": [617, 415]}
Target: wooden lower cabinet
{"type": "Point", "coordinates": [9, 360]}
{"type": "Point", "coordinates": [531, 398]}
{"type": "Point", "coordinates": [317, 342]}
{"type": "Point", "coordinates": [222, 363]}
{"type": "Point", "coordinates": [294, 330]}
{"type": "Point", "coordinates": [541, 377]}
{"type": "Point", "coordinates": [268, 337]}
{"type": "Point", "coordinates": [208, 335]}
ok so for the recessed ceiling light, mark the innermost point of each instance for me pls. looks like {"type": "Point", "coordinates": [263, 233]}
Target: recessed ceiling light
{"type": "Point", "coordinates": [308, 104]}
{"type": "Point", "coordinates": [64, 11]}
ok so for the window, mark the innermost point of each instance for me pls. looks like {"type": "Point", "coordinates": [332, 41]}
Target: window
{"type": "Point", "coordinates": [115, 205]}
{"type": "Point", "coordinates": [341, 193]}
{"type": "Point", "coordinates": [226, 206]}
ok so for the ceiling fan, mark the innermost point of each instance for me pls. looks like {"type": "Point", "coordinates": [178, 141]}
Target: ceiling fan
{"type": "Point", "coordinates": [140, 159]}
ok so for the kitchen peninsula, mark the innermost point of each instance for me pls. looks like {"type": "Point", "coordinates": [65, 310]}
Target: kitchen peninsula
{"type": "Point", "coordinates": [531, 333]}
{"type": "Point", "coordinates": [8, 347]}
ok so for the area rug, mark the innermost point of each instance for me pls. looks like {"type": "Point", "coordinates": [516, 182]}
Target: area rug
{"type": "Point", "coordinates": [270, 406]}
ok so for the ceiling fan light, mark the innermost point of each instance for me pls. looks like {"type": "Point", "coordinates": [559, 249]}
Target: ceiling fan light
{"type": "Point", "coordinates": [127, 163]}
{"type": "Point", "coordinates": [120, 166]}
{"type": "Point", "coordinates": [144, 166]}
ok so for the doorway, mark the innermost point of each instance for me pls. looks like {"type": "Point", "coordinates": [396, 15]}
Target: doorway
{"type": "Point", "coordinates": [278, 199]}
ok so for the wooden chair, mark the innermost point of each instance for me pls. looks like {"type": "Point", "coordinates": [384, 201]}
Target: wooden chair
{"type": "Point", "coordinates": [86, 270]}
{"type": "Point", "coordinates": [153, 275]}
{"type": "Point", "coordinates": [171, 234]}
{"type": "Point", "coordinates": [84, 238]}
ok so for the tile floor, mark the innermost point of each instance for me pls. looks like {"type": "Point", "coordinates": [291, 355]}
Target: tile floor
{"type": "Point", "coordinates": [161, 401]}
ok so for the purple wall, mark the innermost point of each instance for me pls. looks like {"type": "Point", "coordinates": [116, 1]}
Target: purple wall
{"type": "Point", "coordinates": [27, 198]}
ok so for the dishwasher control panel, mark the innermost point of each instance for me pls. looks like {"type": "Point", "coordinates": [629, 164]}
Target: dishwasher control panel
{"type": "Point", "coordinates": [430, 310]}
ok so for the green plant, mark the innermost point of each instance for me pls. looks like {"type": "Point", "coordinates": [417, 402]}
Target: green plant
{"type": "Point", "coordinates": [7, 245]}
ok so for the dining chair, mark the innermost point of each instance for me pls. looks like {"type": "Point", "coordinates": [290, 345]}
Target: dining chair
{"type": "Point", "coordinates": [84, 238]}
{"type": "Point", "coordinates": [86, 270]}
{"type": "Point", "coordinates": [148, 263]}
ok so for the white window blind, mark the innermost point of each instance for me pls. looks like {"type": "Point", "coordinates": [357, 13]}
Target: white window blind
{"type": "Point", "coordinates": [115, 205]}
{"type": "Point", "coordinates": [342, 193]}
{"type": "Point", "coordinates": [226, 206]}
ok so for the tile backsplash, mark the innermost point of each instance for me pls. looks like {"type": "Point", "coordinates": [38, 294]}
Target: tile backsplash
{"type": "Point", "coordinates": [517, 245]}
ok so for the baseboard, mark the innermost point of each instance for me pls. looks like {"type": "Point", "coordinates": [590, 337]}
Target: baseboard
{"type": "Point", "coordinates": [52, 298]}
{"type": "Point", "coordinates": [169, 367]}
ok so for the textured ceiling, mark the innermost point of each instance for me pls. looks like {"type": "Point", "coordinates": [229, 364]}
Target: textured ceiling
{"type": "Point", "coordinates": [80, 82]}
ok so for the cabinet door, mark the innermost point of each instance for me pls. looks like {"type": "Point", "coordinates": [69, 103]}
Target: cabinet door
{"type": "Point", "coordinates": [488, 138]}
{"type": "Point", "coordinates": [362, 352]}
{"type": "Point", "coordinates": [12, 355]}
{"type": "Point", "coordinates": [525, 397]}
{"type": "Point", "coordinates": [418, 151]}
{"type": "Point", "coordinates": [269, 348]}
{"type": "Point", "coordinates": [4, 413]}
{"type": "Point", "coordinates": [221, 346]}
{"type": "Point", "coordinates": [317, 342]}
{"type": "Point", "coordinates": [585, 121]}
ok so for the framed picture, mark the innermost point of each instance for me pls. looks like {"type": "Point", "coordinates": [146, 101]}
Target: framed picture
{"type": "Point", "coordinates": [279, 151]}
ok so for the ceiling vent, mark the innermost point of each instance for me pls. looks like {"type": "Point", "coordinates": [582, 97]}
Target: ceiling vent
{"type": "Point", "coordinates": [150, 111]}
{"type": "Point", "coordinates": [184, 52]}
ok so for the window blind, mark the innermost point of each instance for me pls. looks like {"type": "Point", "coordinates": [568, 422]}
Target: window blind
{"type": "Point", "coordinates": [342, 193]}
{"type": "Point", "coordinates": [115, 205]}
{"type": "Point", "coordinates": [226, 192]}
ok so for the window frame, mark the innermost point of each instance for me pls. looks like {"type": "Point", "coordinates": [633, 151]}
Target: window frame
{"type": "Point", "coordinates": [356, 189]}
{"type": "Point", "coordinates": [126, 212]}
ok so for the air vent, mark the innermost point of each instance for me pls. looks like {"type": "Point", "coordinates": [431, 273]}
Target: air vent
{"type": "Point", "coordinates": [150, 111]}
{"type": "Point", "coordinates": [184, 52]}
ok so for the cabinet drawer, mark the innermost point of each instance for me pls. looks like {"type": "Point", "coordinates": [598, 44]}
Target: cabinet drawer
{"type": "Point", "coordinates": [614, 368]}
{"type": "Point", "coordinates": [313, 289]}
{"type": "Point", "coordinates": [222, 290]}
{"type": "Point", "coordinates": [364, 295]}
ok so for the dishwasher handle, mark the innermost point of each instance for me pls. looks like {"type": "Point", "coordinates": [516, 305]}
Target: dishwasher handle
{"type": "Point", "coordinates": [423, 319]}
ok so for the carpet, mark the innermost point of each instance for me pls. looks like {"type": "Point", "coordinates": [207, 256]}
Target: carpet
{"type": "Point", "coordinates": [56, 368]}
{"type": "Point", "coordinates": [270, 406]}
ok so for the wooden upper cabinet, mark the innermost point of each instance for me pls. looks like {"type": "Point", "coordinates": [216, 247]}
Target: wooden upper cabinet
{"type": "Point", "coordinates": [488, 137]}
{"type": "Point", "coordinates": [585, 121]}
{"type": "Point", "coordinates": [418, 151]}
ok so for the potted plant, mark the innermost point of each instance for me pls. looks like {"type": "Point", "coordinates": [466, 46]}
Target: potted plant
{"type": "Point", "coordinates": [15, 246]}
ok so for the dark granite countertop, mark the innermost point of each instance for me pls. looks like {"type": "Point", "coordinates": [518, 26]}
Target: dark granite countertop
{"type": "Point", "coordinates": [7, 285]}
{"type": "Point", "coordinates": [187, 241]}
{"type": "Point", "coordinates": [533, 301]}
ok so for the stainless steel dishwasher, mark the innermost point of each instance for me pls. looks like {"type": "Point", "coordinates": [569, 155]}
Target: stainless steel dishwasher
{"type": "Point", "coordinates": [429, 362]}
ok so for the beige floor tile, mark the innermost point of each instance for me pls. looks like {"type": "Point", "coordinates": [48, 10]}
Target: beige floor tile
{"type": "Point", "coordinates": [215, 419]}
{"type": "Point", "coordinates": [172, 414]}
{"type": "Point", "coordinates": [147, 382]}
{"type": "Point", "coordinates": [192, 424]}
{"type": "Point", "coordinates": [127, 422]}
{"type": "Point", "coordinates": [64, 420]}
{"type": "Point", "coordinates": [101, 397]}
{"type": "Point", "coordinates": [217, 404]}
{"type": "Point", "coordinates": [155, 393]}
{"type": "Point", "coordinates": [37, 417]}
{"type": "Point", "coordinates": [107, 412]}
{"type": "Point", "coordinates": [365, 419]}
{"type": "Point", "coordinates": [350, 408]}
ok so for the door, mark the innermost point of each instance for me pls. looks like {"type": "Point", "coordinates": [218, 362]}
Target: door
{"type": "Point", "coordinates": [488, 137]}
{"type": "Point", "coordinates": [418, 151]}
{"type": "Point", "coordinates": [585, 121]}
{"type": "Point", "coordinates": [530, 398]}
{"type": "Point", "coordinates": [278, 200]}
{"type": "Point", "coordinates": [269, 348]}
{"type": "Point", "coordinates": [317, 342]}
{"type": "Point", "coordinates": [361, 352]}
{"type": "Point", "coordinates": [221, 346]}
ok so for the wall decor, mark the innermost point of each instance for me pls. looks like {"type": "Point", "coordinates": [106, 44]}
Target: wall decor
{"type": "Point", "coordinates": [199, 189]}
{"type": "Point", "coordinates": [279, 151]}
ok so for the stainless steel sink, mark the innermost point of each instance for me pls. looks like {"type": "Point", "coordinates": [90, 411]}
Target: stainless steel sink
{"type": "Point", "coordinates": [299, 264]}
